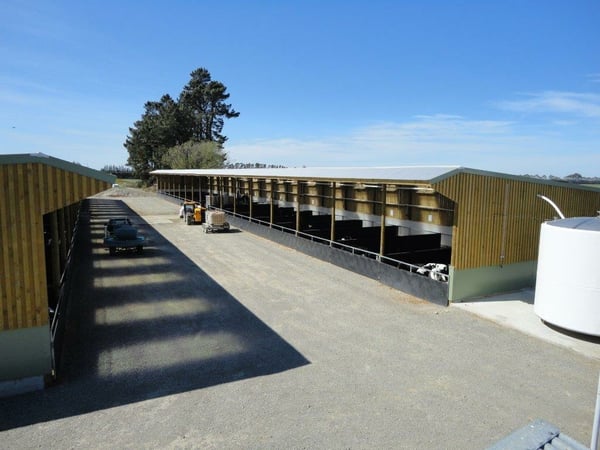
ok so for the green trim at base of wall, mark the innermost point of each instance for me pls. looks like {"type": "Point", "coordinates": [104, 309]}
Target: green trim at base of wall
{"type": "Point", "coordinates": [16, 387]}
{"type": "Point", "coordinates": [473, 283]}
{"type": "Point", "coordinates": [25, 353]}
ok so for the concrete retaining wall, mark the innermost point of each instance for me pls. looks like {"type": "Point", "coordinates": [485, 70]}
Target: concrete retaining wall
{"type": "Point", "coordinates": [410, 283]}
{"type": "Point", "coordinates": [474, 283]}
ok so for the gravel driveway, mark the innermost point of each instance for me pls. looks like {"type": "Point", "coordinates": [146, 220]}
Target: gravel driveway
{"type": "Point", "coordinates": [232, 341]}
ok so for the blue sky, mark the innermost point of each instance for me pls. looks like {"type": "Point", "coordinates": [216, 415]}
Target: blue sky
{"type": "Point", "coordinates": [509, 86]}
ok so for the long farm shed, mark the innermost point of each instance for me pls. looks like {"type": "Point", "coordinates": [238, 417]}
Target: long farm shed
{"type": "Point", "coordinates": [39, 206]}
{"type": "Point", "coordinates": [482, 227]}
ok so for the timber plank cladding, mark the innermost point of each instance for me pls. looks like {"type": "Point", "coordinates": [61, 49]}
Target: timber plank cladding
{"type": "Point", "coordinates": [39, 203]}
{"type": "Point", "coordinates": [489, 221]}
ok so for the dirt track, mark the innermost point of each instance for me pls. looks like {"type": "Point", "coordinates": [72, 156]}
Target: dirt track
{"type": "Point", "coordinates": [232, 341]}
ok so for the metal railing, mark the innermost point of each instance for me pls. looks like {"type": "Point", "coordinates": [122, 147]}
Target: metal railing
{"type": "Point", "coordinates": [57, 324]}
{"type": "Point", "coordinates": [333, 244]}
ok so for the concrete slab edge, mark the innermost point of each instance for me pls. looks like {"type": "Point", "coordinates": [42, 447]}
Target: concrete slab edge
{"type": "Point", "coordinates": [21, 386]}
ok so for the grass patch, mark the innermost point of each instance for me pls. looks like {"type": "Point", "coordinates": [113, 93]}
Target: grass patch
{"type": "Point", "coordinates": [130, 182]}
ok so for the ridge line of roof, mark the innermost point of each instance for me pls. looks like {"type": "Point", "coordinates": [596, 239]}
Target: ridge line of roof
{"type": "Point", "coordinates": [444, 172]}
{"type": "Point", "coordinates": [411, 172]}
{"type": "Point", "coordinates": [507, 176]}
{"type": "Point", "coordinates": [42, 158]}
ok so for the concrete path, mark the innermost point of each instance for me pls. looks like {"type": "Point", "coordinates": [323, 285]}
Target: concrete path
{"type": "Point", "coordinates": [515, 310]}
{"type": "Point", "coordinates": [232, 341]}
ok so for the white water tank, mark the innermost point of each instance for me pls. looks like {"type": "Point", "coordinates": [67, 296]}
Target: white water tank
{"type": "Point", "coordinates": [567, 291]}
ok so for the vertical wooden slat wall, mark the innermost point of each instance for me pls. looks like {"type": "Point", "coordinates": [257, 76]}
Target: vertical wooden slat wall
{"type": "Point", "coordinates": [497, 220]}
{"type": "Point", "coordinates": [27, 192]}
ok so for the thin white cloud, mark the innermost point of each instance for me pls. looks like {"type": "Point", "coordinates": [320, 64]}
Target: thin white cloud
{"type": "Point", "coordinates": [431, 139]}
{"type": "Point", "coordinates": [435, 128]}
{"type": "Point", "coordinates": [564, 123]}
{"type": "Point", "coordinates": [18, 92]}
{"type": "Point", "coordinates": [28, 85]}
{"type": "Point", "coordinates": [435, 139]}
{"type": "Point", "coordinates": [594, 77]}
{"type": "Point", "coordinates": [37, 20]}
{"type": "Point", "coordinates": [87, 147]}
{"type": "Point", "coordinates": [573, 103]}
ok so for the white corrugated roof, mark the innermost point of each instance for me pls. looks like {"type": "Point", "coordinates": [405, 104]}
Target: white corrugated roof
{"type": "Point", "coordinates": [399, 174]}
{"type": "Point", "coordinates": [403, 173]}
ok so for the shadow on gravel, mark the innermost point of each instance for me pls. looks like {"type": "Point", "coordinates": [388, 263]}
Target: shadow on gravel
{"type": "Point", "coordinates": [141, 326]}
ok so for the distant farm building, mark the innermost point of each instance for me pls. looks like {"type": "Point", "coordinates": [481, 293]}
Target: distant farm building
{"type": "Point", "coordinates": [388, 223]}
{"type": "Point", "coordinates": [441, 233]}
